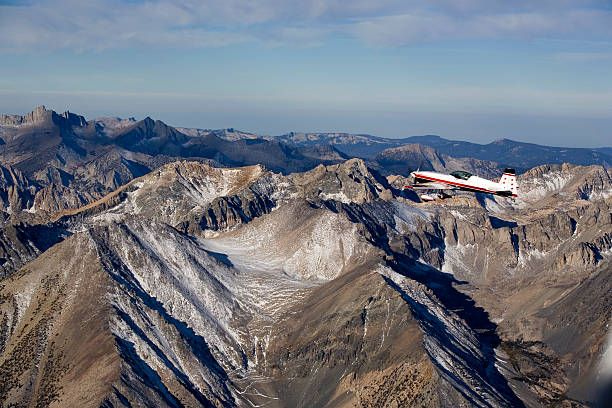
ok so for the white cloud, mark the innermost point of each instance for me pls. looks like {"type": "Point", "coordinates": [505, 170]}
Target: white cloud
{"type": "Point", "coordinates": [427, 26]}
{"type": "Point", "coordinates": [98, 25]}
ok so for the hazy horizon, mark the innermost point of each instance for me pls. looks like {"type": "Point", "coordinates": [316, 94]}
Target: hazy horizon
{"type": "Point", "coordinates": [191, 121]}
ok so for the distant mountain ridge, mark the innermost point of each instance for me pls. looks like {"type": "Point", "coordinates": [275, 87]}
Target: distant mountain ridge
{"type": "Point", "coordinates": [356, 145]}
{"type": "Point", "coordinates": [41, 114]}
{"type": "Point", "coordinates": [193, 283]}
{"type": "Point", "coordinates": [518, 154]}
{"type": "Point", "coordinates": [506, 152]}
{"type": "Point", "coordinates": [230, 134]}
{"type": "Point", "coordinates": [65, 161]}
{"type": "Point", "coordinates": [406, 158]}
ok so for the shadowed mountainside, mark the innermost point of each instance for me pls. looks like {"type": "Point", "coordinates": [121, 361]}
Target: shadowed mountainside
{"type": "Point", "coordinates": [508, 153]}
{"type": "Point", "coordinates": [153, 281]}
{"type": "Point", "coordinates": [405, 159]}
{"type": "Point", "coordinates": [203, 286]}
{"type": "Point", "coordinates": [57, 162]}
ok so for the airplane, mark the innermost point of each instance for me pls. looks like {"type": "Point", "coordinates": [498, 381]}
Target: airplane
{"type": "Point", "coordinates": [462, 180]}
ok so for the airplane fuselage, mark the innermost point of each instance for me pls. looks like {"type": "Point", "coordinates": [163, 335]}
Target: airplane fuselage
{"type": "Point", "coordinates": [435, 180]}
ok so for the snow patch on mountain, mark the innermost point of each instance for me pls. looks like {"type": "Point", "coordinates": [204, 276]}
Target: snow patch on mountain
{"type": "Point", "coordinates": [600, 195]}
{"type": "Point", "coordinates": [22, 300]}
{"type": "Point", "coordinates": [110, 125]}
{"type": "Point", "coordinates": [526, 257]}
{"type": "Point", "coordinates": [407, 217]}
{"type": "Point", "coordinates": [454, 256]}
{"type": "Point", "coordinates": [264, 284]}
{"type": "Point", "coordinates": [451, 344]}
{"type": "Point", "coordinates": [340, 196]}
{"type": "Point", "coordinates": [323, 248]}
{"type": "Point", "coordinates": [326, 252]}
{"type": "Point", "coordinates": [191, 285]}
{"type": "Point", "coordinates": [536, 188]}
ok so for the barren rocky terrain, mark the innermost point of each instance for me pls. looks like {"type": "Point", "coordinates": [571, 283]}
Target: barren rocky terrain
{"type": "Point", "coordinates": [193, 284]}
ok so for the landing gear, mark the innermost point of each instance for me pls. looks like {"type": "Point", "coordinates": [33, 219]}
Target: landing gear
{"type": "Point", "coordinates": [435, 196]}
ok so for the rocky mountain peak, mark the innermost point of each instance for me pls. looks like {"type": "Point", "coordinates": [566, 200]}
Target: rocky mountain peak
{"type": "Point", "coordinates": [547, 183]}
{"type": "Point", "coordinates": [40, 114]}
{"type": "Point", "coordinates": [195, 285]}
{"type": "Point", "coordinates": [407, 158]}
{"type": "Point", "coordinates": [400, 152]}
{"type": "Point", "coordinates": [233, 178]}
{"type": "Point", "coordinates": [350, 181]}
{"type": "Point", "coordinates": [37, 115]}
{"type": "Point", "coordinates": [73, 119]}
{"type": "Point", "coordinates": [353, 167]}
{"type": "Point", "coordinates": [148, 122]}
{"type": "Point", "coordinates": [151, 137]}
{"type": "Point", "coordinates": [109, 125]}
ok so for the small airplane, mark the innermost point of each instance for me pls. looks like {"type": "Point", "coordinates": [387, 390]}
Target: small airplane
{"type": "Point", "coordinates": [462, 180]}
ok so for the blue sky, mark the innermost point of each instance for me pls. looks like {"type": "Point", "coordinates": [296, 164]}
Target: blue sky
{"type": "Point", "coordinates": [464, 69]}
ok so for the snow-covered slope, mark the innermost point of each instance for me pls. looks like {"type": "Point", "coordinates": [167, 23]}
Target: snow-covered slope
{"type": "Point", "coordinates": [199, 286]}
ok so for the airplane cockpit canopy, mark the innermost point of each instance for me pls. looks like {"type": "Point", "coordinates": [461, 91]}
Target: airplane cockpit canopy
{"type": "Point", "coordinates": [460, 174]}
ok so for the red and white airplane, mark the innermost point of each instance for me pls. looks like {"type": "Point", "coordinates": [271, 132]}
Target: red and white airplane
{"type": "Point", "coordinates": [462, 180]}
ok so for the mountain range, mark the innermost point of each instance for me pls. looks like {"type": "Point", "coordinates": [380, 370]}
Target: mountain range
{"type": "Point", "coordinates": [508, 153]}
{"type": "Point", "coordinates": [156, 266]}
{"type": "Point", "coordinates": [85, 160]}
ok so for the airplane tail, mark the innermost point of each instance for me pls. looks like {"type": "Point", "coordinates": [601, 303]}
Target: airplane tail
{"type": "Point", "coordinates": [508, 181]}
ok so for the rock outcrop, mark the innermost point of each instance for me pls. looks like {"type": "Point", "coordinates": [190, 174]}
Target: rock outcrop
{"type": "Point", "coordinates": [407, 158]}
{"type": "Point", "coordinates": [196, 285]}
{"type": "Point", "coordinates": [39, 114]}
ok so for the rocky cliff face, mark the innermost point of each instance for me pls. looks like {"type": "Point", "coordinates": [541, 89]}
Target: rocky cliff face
{"type": "Point", "coordinates": [229, 134]}
{"type": "Point", "coordinates": [41, 115]}
{"type": "Point", "coordinates": [16, 191]}
{"type": "Point", "coordinates": [404, 159]}
{"type": "Point", "coordinates": [37, 115]}
{"type": "Point", "coordinates": [519, 155]}
{"type": "Point", "coordinates": [199, 286]}
{"type": "Point", "coordinates": [72, 162]}
{"type": "Point", "coordinates": [539, 256]}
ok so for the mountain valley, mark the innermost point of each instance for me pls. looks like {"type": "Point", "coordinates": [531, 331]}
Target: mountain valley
{"type": "Point", "coordinates": [161, 266]}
